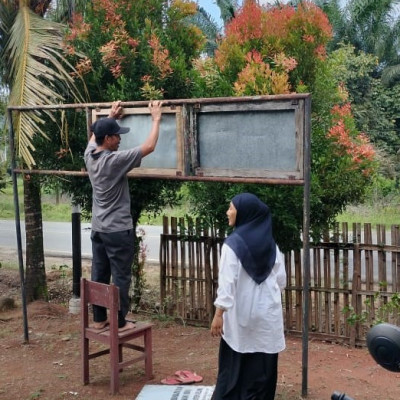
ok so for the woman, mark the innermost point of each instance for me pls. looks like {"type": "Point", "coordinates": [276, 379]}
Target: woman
{"type": "Point", "coordinates": [248, 315]}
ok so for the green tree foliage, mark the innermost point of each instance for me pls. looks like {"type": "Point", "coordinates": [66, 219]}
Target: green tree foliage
{"type": "Point", "coordinates": [282, 49]}
{"type": "Point", "coordinates": [122, 50]}
{"type": "Point", "coordinates": [375, 111]}
{"type": "Point", "coordinates": [375, 106]}
{"type": "Point", "coordinates": [136, 50]}
{"type": "Point", "coordinates": [133, 51]}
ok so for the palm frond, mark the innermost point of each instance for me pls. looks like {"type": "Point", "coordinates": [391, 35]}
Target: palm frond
{"type": "Point", "coordinates": [227, 8]}
{"type": "Point", "coordinates": [208, 26]}
{"type": "Point", "coordinates": [8, 11]}
{"type": "Point", "coordinates": [40, 74]}
{"type": "Point", "coordinates": [390, 75]}
{"type": "Point", "coordinates": [63, 10]}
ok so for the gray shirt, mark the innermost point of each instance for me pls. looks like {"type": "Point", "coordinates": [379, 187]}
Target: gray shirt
{"type": "Point", "coordinates": [111, 208]}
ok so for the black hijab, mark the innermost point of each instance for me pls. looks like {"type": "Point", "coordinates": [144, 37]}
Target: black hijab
{"type": "Point", "coordinates": [252, 239]}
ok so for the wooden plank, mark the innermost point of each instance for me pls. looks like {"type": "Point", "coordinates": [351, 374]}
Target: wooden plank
{"type": "Point", "coordinates": [299, 291]}
{"type": "Point", "coordinates": [369, 273]}
{"type": "Point", "coordinates": [317, 284]}
{"type": "Point", "coordinates": [174, 263]}
{"type": "Point", "coordinates": [336, 284]}
{"type": "Point", "coordinates": [346, 303]}
{"type": "Point", "coordinates": [199, 270]}
{"type": "Point", "coordinates": [288, 299]}
{"type": "Point", "coordinates": [327, 285]}
{"type": "Point", "coordinates": [395, 234]}
{"type": "Point", "coordinates": [182, 263]}
{"type": "Point", "coordinates": [355, 287]}
{"type": "Point", "coordinates": [208, 280]}
{"type": "Point", "coordinates": [163, 261]}
{"type": "Point", "coordinates": [192, 260]}
{"type": "Point", "coordinates": [382, 273]}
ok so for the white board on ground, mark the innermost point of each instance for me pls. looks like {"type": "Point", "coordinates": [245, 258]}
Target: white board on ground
{"type": "Point", "coordinates": [175, 392]}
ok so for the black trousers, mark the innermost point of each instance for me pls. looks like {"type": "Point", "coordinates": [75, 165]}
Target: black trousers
{"type": "Point", "coordinates": [113, 255]}
{"type": "Point", "coordinates": [245, 376]}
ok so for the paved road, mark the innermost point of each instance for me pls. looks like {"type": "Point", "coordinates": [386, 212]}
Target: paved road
{"type": "Point", "coordinates": [57, 237]}
{"type": "Point", "coordinates": [58, 241]}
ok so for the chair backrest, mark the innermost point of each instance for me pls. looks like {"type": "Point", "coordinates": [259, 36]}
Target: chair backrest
{"type": "Point", "coordinates": [99, 294]}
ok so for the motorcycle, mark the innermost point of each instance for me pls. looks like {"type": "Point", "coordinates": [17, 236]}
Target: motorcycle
{"type": "Point", "coordinates": [383, 341]}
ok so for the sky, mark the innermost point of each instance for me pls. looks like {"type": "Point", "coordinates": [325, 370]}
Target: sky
{"type": "Point", "coordinates": [211, 7]}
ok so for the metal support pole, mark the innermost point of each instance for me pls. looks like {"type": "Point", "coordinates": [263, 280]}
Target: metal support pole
{"type": "Point", "coordinates": [76, 250]}
{"type": "Point", "coordinates": [75, 301]}
{"type": "Point", "coordinates": [18, 227]}
{"type": "Point", "coordinates": [306, 242]}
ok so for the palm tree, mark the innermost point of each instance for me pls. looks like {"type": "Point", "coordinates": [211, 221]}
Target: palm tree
{"type": "Point", "coordinates": [34, 69]}
{"type": "Point", "coordinates": [373, 28]}
{"type": "Point", "coordinates": [370, 26]}
{"type": "Point", "coordinates": [333, 10]}
{"type": "Point", "coordinates": [209, 26]}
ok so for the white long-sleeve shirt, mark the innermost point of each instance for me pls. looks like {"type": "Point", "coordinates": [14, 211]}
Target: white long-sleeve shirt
{"type": "Point", "coordinates": [253, 317]}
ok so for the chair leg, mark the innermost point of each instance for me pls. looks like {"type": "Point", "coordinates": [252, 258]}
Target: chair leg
{"type": "Point", "coordinates": [85, 361]}
{"type": "Point", "coordinates": [148, 351]}
{"type": "Point", "coordinates": [120, 356]}
{"type": "Point", "coordinates": [114, 360]}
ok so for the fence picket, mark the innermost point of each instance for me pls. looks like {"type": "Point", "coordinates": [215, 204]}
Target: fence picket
{"type": "Point", "coordinates": [352, 276]}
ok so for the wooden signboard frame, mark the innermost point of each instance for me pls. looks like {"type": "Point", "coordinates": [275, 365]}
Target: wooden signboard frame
{"type": "Point", "coordinates": [244, 139]}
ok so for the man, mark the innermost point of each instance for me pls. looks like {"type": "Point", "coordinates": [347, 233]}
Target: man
{"type": "Point", "coordinates": [112, 228]}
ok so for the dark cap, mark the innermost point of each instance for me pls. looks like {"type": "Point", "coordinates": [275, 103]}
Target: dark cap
{"type": "Point", "coordinates": [107, 126]}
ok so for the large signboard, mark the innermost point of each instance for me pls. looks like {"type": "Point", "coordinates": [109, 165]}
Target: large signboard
{"type": "Point", "coordinates": [233, 138]}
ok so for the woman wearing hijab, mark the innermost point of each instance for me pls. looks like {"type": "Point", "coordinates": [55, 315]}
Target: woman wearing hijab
{"type": "Point", "coordinates": [248, 315]}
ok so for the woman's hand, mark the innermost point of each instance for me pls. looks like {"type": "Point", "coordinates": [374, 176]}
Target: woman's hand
{"type": "Point", "coordinates": [217, 323]}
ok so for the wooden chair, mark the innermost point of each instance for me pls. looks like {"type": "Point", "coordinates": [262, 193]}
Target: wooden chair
{"type": "Point", "coordinates": [108, 296]}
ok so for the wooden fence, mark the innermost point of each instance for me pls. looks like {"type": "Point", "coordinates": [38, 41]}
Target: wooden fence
{"type": "Point", "coordinates": [355, 279]}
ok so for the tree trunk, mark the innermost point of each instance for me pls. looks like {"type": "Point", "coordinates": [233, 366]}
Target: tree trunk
{"type": "Point", "coordinates": [137, 268]}
{"type": "Point", "coordinates": [35, 278]}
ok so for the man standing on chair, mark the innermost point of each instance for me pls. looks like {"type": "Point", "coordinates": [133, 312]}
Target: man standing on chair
{"type": "Point", "coordinates": [112, 227]}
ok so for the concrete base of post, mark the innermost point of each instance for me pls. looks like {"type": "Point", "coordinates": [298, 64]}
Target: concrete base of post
{"type": "Point", "coordinates": [75, 305]}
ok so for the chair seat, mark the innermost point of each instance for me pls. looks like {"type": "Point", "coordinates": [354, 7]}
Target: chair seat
{"type": "Point", "coordinates": [129, 334]}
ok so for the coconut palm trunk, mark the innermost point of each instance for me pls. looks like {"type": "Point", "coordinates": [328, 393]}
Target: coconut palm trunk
{"type": "Point", "coordinates": [35, 277]}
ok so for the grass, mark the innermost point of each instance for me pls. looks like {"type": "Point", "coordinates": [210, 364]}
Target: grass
{"type": "Point", "coordinates": [53, 208]}
{"type": "Point", "coordinates": [60, 210]}
{"type": "Point", "coordinates": [377, 214]}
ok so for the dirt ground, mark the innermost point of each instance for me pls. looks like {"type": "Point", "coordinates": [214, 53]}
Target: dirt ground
{"type": "Point", "coordinates": [49, 366]}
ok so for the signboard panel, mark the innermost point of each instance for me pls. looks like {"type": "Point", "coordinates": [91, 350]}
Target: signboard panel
{"type": "Point", "coordinates": [167, 158]}
{"type": "Point", "coordinates": [257, 140]}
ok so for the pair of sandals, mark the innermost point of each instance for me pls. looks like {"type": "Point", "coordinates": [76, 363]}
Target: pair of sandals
{"type": "Point", "coordinates": [182, 378]}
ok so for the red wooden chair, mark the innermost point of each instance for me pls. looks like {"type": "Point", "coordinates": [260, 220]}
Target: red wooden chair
{"type": "Point", "coordinates": [108, 296]}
